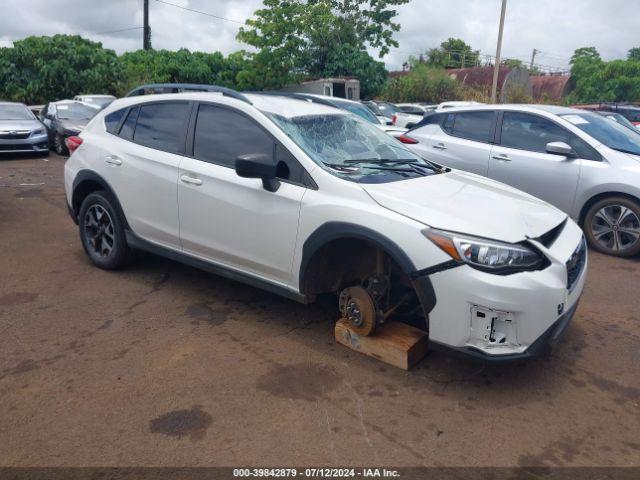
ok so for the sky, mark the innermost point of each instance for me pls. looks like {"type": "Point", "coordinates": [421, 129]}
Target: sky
{"type": "Point", "coordinates": [554, 27]}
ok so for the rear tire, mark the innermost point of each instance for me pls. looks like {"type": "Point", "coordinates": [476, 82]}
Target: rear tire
{"type": "Point", "coordinates": [102, 232]}
{"type": "Point", "coordinates": [612, 226]}
{"type": "Point", "coordinates": [59, 146]}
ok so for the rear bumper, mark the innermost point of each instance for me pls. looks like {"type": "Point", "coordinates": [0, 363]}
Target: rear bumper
{"type": "Point", "coordinates": [33, 143]}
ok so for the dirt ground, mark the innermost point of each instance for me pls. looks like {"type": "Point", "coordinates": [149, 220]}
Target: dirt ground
{"type": "Point", "coordinates": [161, 364]}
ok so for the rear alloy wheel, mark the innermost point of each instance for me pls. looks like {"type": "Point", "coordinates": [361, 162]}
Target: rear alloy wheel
{"type": "Point", "coordinates": [612, 226]}
{"type": "Point", "coordinates": [102, 232]}
{"type": "Point", "coordinates": [59, 145]}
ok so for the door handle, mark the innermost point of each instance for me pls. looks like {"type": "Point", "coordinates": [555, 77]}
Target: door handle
{"type": "Point", "coordinates": [440, 146]}
{"type": "Point", "coordinates": [112, 160]}
{"type": "Point", "coordinates": [502, 157]}
{"type": "Point", "coordinates": [191, 180]}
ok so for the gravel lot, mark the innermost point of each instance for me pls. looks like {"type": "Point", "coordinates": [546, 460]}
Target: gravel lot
{"type": "Point", "coordinates": [162, 364]}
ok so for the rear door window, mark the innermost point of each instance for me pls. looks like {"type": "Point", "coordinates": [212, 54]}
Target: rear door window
{"type": "Point", "coordinates": [163, 126]}
{"type": "Point", "coordinates": [471, 125]}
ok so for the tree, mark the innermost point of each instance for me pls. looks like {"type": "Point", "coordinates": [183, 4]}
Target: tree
{"type": "Point", "coordinates": [594, 80]}
{"type": "Point", "coordinates": [453, 53]}
{"type": "Point", "coordinates": [42, 69]}
{"type": "Point", "coordinates": [634, 54]}
{"type": "Point", "coordinates": [585, 54]}
{"type": "Point", "coordinates": [320, 37]}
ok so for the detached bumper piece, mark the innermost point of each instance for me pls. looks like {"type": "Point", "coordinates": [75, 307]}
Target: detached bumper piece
{"type": "Point", "coordinates": [542, 346]}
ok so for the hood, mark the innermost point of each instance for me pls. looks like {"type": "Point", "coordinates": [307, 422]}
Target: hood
{"type": "Point", "coordinates": [467, 203]}
{"type": "Point", "coordinates": [633, 157]}
{"type": "Point", "coordinates": [8, 125]}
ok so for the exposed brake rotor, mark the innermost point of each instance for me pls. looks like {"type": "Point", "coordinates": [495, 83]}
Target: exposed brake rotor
{"type": "Point", "coordinates": [357, 306]}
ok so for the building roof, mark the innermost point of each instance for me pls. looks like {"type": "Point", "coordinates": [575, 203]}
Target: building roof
{"type": "Point", "coordinates": [551, 87]}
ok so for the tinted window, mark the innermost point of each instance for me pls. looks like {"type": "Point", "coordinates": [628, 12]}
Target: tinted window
{"type": "Point", "coordinates": [129, 124]}
{"type": "Point", "coordinates": [430, 118]}
{"type": "Point", "coordinates": [112, 120]}
{"type": "Point", "coordinates": [222, 135]}
{"type": "Point", "coordinates": [288, 166]}
{"type": "Point", "coordinates": [470, 125]}
{"type": "Point", "coordinates": [532, 132]}
{"type": "Point", "coordinates": [162, 126]}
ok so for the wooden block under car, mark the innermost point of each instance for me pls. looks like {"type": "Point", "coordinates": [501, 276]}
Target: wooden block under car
{"type": "Point", "coordinates": [395, 343]}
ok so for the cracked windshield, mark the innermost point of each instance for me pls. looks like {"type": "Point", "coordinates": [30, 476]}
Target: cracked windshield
{"type": "Point", "coordinates": [353, 149]}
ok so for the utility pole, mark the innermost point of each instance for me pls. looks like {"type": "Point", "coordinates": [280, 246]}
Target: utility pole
{"type": "Point", "coordinates": [496, 67]}
{"type": "Point", "coordinates": [146, 31]}
{"type": "Point", "coordinates": [533, 57]}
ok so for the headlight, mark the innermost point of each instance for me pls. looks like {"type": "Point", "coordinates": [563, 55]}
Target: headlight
{"type": "Point", "coordinates": [488, 255]}
{"type": "Point", "coordinates": [39, 131]}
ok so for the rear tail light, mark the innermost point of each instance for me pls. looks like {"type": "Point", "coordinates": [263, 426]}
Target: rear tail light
{"type": "Point", "coordinates": [73, 143]}
{"type": "Point", "coordinates": [407, 139]}
{"type": "Point", "coordinates": [394, 117]}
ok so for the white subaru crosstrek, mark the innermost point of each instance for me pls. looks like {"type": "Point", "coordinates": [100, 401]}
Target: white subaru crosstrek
{"type": "Point", "coordinates": [304, 199]}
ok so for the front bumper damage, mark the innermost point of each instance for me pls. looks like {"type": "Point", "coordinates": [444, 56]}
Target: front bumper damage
{"type": "Point", "coordinates": [495, 318]}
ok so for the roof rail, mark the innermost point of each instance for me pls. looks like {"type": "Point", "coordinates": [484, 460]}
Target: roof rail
{"type": "Point", "coordinates": [299, 96]}
{"type": "Point", "coordinates": [185, 87]}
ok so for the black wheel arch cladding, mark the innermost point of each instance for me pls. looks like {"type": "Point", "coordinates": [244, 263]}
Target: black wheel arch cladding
{"type": "Point", "coordinates": [85, 177]}
{"type": "Point", "coordinates": [331, 231]}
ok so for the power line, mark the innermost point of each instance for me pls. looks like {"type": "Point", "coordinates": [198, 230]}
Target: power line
{"type": "Point", "coordinates": [200, 12]}
{"type": "Point", "coordinates": [117, 31]}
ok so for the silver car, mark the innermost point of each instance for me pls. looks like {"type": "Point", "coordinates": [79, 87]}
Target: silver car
{"type": "Point", "coordinates": [581, 162]}
{"type": "Point", "coordinates": [20, 130]}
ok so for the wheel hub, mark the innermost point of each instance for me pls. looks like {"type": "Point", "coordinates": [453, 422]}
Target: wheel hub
{"type": "Point", "coordinates": [616, 227]}
{"type": "Point", "coordinates": [358, 308]}
{"type": "Point", "coordinates": [99, 230]}
{"type": "Point", "coordinates": [354, 315]}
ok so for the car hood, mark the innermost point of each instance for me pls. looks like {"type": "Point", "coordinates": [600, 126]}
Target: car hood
{"type": "Point", "coordinates": [633, 157]}
{"type": "Point", "coordinates": [467, 203]}
{"type": "Point", "coordinates": [19, 125]}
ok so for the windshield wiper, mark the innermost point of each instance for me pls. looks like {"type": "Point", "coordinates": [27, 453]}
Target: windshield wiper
{"type": "Point", "coordinates": [342, 167]}
{"type": "Point", "coordinates": [387, 161]}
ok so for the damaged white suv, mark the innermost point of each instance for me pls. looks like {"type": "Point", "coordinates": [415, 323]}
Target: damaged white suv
{"type": "Point", "coordinates": [304, 199]}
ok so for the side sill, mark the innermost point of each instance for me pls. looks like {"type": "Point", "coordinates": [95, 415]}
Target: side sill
{"type": "Point", "coordinates": [135, 241]}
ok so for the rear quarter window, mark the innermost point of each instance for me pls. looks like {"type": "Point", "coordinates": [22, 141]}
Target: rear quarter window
{"type": "Point", "coordinates": [112, 121]}
{"type": "Point", "coordinates": [470, 125]}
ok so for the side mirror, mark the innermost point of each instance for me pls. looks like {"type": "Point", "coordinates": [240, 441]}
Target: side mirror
{"type": "Point", "coordinates": [560, 148]}
{"type": "Point", "coordinates": [259, 165]}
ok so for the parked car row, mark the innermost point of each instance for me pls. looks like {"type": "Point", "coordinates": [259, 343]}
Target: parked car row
{"type": "Point", "coordinates": [408, 115]}
{"type": "Point", "coordinates": [302, 198]}
{"type": "Point", "coordinates": [22, 130]}
{"type": "Point", "coordinates": [581, 162]}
